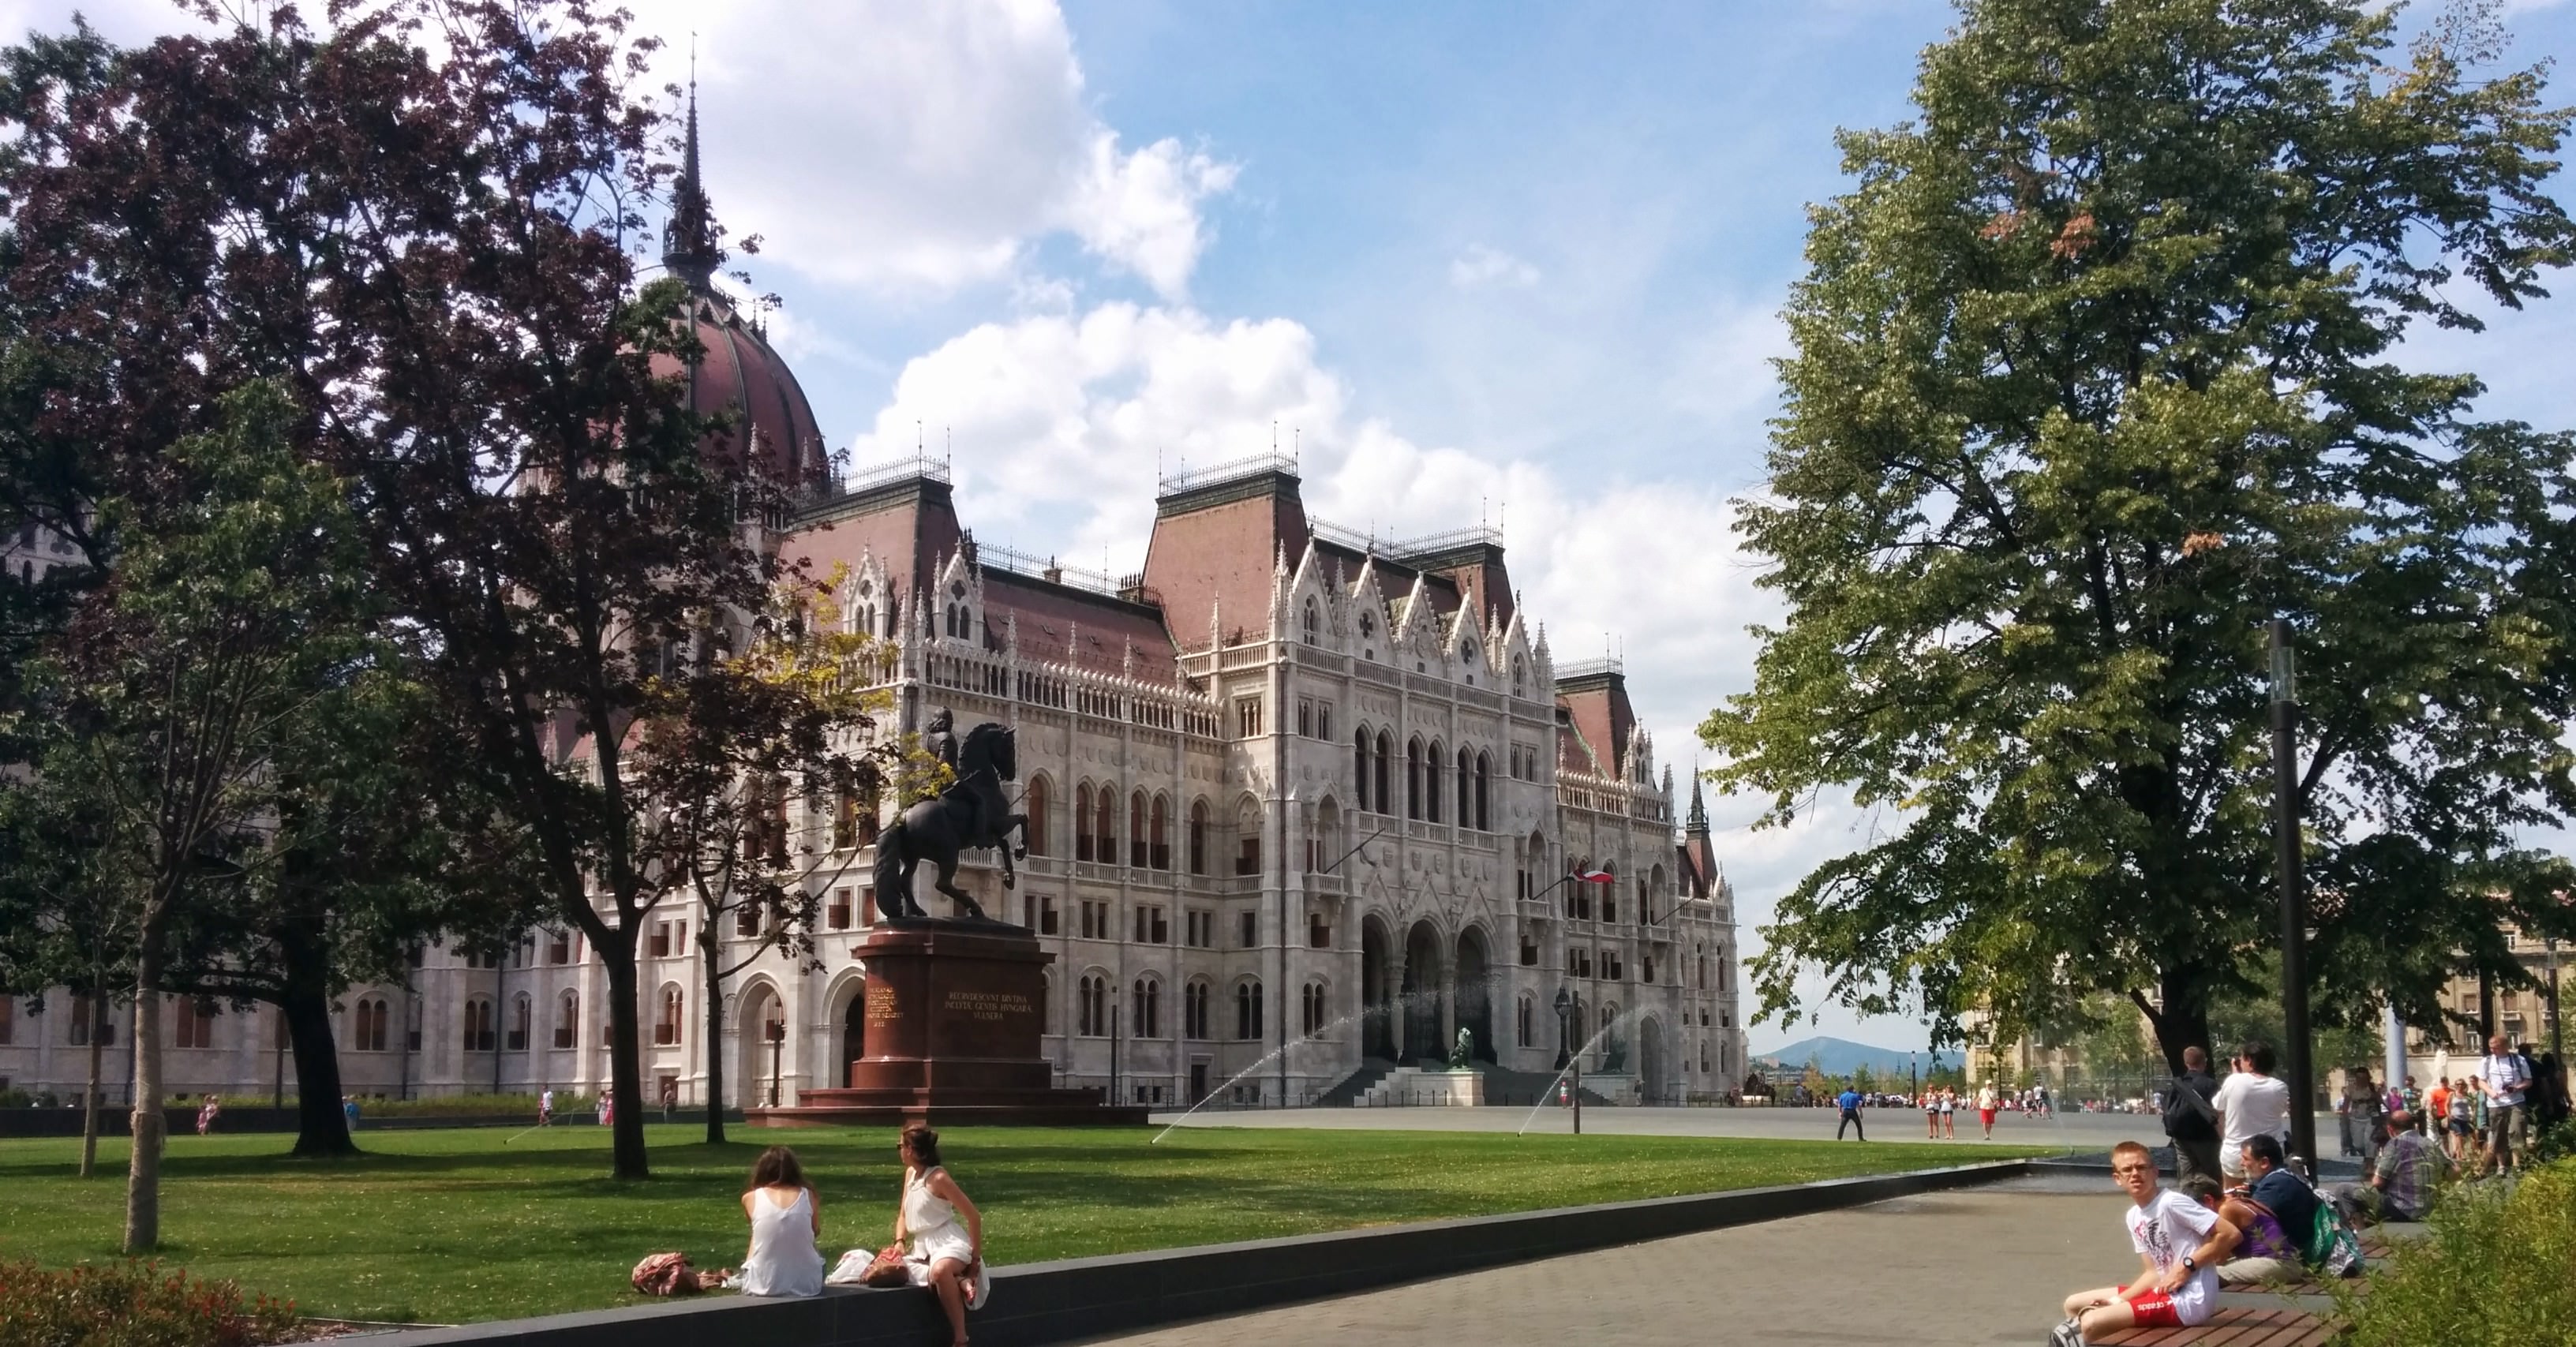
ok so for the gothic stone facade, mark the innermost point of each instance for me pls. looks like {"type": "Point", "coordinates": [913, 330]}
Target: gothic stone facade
{"type": "Point", "coordinates": [1299, 802]}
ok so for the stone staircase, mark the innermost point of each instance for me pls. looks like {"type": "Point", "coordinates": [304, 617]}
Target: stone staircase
{"type": "Point", "coordinates": [1372, 1070]}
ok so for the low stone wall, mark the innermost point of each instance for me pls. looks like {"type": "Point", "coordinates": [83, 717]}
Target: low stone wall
{"type": "Point", "coordinates": [115, 1118]}
{"type": "Point", "coordinates": [1045, 1303]}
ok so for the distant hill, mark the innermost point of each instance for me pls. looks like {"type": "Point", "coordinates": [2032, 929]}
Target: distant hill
{"type": "Point", "coordinates": [1840, 1056]}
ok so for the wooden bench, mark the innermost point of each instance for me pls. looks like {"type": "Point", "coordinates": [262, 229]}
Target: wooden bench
{"type": "Point", "coordinates": [2231, 1328]}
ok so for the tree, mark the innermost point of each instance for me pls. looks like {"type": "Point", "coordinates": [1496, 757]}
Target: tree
{"type": "Point", "coordinates": [438, 252]}
{"type": "Point", "coordinates": [758, 741]}
{"type": "Point", "coordinates": [237, 598]}
{"type": "Point", "coordinates": [64, 921]}
{"type": "Point", "coordinates": [386, 837]}
{"type": "Point", "coordinates": [2093, 377]}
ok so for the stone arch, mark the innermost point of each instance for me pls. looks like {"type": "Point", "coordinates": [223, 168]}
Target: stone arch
{"type": "Point", "coordinates": [1425, 1037]}
{"type": "Point", "coordinates": [1471, 990]}
{"type": "Point", "coordinates": [1247, 834]}
{"type": "Point", "coordinates": [1362, 740]}
{"type": "Point", "coordinates": [758, 1005]}
{"type": "Point", "coordinates": [1036, 804]}
{"type": "Point", "coordinates": [1434, 765]}
{"type": "Point", "coordinates": [1198, 838]}
{"type": "Point", "coordinates": [847, 996]}
{"type": "Point", "coordinates": [1654, 1064]}
{"type": "Point", "coordinates": [1378, 980]}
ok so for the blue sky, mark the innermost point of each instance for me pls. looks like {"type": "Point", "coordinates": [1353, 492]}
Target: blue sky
{"type": "Point", "coordinates": [1503, 259]}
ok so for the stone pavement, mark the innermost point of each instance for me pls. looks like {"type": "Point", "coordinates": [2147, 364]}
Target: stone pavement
{"type": "Point", "coordinates": [1959, 1269]}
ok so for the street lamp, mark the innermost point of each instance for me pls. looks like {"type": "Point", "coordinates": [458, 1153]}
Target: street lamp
{"type": "Point", "coordinates": [1566, 1058]}
{"type": "Point", "coordinates": [777, 1031]}
{"type": "Point", "coordinates": [2294, 917]}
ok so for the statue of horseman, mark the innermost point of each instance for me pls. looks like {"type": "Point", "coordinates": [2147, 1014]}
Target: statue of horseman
{"type": "Point", "coordinates": [972, 812]}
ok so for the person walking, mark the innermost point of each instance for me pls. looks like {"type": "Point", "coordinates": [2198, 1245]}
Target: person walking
{"type": "Point", "coordinates": [2450, 1127]}
{"type": "Point", "coordinates": [786, 1254]}
{"type": "Point", "coordinates": [2251, 1102]}
{"type": "Point", "coordinates": [2507, 1082]}
{"type": "Point", "coordinates": [1949, 1114]}
{"type": "Point", "coordinates": [1849, 1100]}
{"type": "Point", "coordinates": [2191, 1121]}
{"type": "Point", "coordinates": [944, 1257]}
{"type": "Point", "coordinates": [1986, 1108]}
{"type": "Point", "coordinates": [546, 1107]}
{"type": "Point", "coordinates": [213, 1109]}
{"type": "Point", "coordinates": [2369, 1107]}
{"type": "Point", "coordinates": [1931, 1115]}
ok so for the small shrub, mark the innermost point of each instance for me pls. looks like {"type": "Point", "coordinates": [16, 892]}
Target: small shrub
{"type": "Point", "coordinates": [15, 1098]}
{"type": "Point", "coordinates": [2558, 1143]}
{"type": "Point", "coordinates": [2499, 1269]}
{"type": "Point", "coordinates": [131, 1304]}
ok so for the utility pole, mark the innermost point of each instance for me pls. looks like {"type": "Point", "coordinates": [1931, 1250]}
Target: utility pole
{"type": "Point", "coordinates": [2294, 916]}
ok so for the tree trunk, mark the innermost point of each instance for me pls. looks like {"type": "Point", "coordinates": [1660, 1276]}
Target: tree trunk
{"type": "Point", "coordinates": [625, 1056]}
{"type": "Point", "coordinates": [714, 994]}
{"type": "Point", "coordinates": [2183, 1020]}
{"type": "Point", "coordinates": [143, 1169]}
{"type": "Point", "coordinates": [321, 1126]}
{"type": "Point", "coordinates": [95, 1006]}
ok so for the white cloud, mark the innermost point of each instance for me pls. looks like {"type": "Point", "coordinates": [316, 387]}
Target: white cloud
{"type": "Point", "coordinates": [922, 148]}
{"type": "Point", "coordinates": [1482, 265]}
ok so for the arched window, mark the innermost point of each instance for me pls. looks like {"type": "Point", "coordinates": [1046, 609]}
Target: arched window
{"type": "Point", "coordinates": [1198, 837]}
{"type": "Point", "coordinates": [1194, 1010]}
{"type": "Point", "coordinates": [1145, 1011]}
{"type": "Point", "coordinates": [1091, 1006]}
{"type": "Point", "coordinates": [1432, 767]}
{"type": "Point", "coordinates": [1520, 677]}
{"type": "Point", "coordinates": [1035, 804]}
{"type": "Point", "coordinates": [1484, 792]}
{"type": "Point", "coordinates": [1314, 623]}
{"type": "Point", "coordinates": [478, 1025]}
{"type": "Point", "coordinates": [1136, 830]}
{"type": "Point", "coordinates": [1385, 746]}
{"type": "Point", "coordinates": [1466, 789]}
{"type": "Point", "coordinates": [1360, 766]}
{"type": "Point", "coordinates": [1158, 825]}
{"type": "Point", "coordinates": [368, 1033]}
{"type": "Point", "coordinates": [567, 1019]}
{"type": "Point", "coordinates": [1522, 1017]}
{"type": "Point", "coordinates": [1104, 821]}
{"type": "Point", "coordinates": [1413, 778]}
{"type": "Point", "coordinates": [667, 1031]}
{"type": "Point", "coordinates": [1313, 1005]}
{"type": "Point", "coordinates": [1085, 843]}
{"type": "Point", "coordinates": [1247, 1012]}
{"type": "Point", "coordinates": [1247, 837]}
{"type": "Point", "coordinates": [520, 1012]}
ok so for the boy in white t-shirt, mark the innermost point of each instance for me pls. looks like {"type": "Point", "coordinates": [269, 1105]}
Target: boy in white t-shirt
{"type": "Point", "coordinates": [2180, 1244]}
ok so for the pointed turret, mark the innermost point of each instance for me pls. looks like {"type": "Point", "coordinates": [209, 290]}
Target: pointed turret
{"type": "Point", "coordinates": [1697, 826]}
{"type": "Point", "coordinates": [689, 243]}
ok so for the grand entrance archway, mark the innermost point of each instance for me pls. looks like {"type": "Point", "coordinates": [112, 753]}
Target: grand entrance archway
{"type": "Point", "coordinates": [1472, 991]}
{"type": "Point", "coordinates": [1377, 990]}
{"type": "Point", "coordinates": [854, 1031]}
{"type": "Point", "coordinates": [759, 1009]}
{"type": "Point", "coordinates": [1421, 988]}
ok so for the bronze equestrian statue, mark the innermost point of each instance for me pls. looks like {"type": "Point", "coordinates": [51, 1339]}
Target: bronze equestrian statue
{"type": "Point", "coordinates": [973, 812]}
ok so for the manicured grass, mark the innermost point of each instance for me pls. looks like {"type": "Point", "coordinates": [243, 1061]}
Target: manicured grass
{"type": "Point", "coordinates": [451, 1226]}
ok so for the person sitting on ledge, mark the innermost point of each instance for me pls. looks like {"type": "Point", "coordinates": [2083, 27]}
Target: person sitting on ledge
{"type": "Point", "coordinates": [2265, 1254]}
{"type": "Point", "coordinates": [2179, 1244]}
{"type": "Point", "coordinates": [786, 1258]}
{"type": "Point", "coordinates": [945, 1258]}
{"type": "Point", "coordinates": [2401, 1183]}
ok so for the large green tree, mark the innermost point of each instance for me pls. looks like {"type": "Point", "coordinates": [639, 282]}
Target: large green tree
{"type": "Point", "coordinates": [2096, 372]}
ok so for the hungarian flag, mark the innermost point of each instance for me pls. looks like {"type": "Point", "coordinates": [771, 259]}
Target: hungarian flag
{"type": "Point", "coordinates": [1595, 877]}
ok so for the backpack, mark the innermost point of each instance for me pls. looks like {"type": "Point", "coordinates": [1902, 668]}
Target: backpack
{"type": "Point", "coordinates": [2332, 1245]}
{"type": "Point", "coordinates": [2188, 1116]}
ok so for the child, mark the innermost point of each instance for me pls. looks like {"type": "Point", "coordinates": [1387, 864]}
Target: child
{"type": "Point", "coordinates": [2180, 1244]}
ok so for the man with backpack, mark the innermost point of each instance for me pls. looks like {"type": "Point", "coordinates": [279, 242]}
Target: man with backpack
{"type": "Point", "coordinates": [2191, 1123]}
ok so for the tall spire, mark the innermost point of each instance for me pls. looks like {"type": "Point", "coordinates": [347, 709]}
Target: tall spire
{"type": "Point", "coordinates": [1698, 825]}
{"type": "Point", "coordinates": [689, 244]}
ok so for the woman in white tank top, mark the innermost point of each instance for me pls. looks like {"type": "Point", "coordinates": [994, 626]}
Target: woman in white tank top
{"type": "Point", "coordinates": [786, 1225]}
{"type": "Point", "coordinates": [947, 1254]}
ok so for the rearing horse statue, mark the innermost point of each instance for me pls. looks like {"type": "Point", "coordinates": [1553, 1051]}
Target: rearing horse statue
{"type": "Point", "coordinates": [971, 813]}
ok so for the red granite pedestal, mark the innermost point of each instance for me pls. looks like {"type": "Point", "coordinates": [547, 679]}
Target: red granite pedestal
{"type": "Point", "coordinates": [953, 1018]}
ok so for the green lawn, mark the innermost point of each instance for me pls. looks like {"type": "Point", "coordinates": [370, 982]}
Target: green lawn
{"type": "Point", "coordinates": [451, 1226]}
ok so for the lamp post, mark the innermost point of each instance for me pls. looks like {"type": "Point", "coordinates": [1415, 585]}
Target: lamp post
{"type": "Point", "coordinates": [1564, 1035]}
{"type": "Point", "coordinates": [2294, 917]}
{"type": "Point", "coordinates": [777, 1031]}
{"type": "Point", "coordinates": [2556, 1049]}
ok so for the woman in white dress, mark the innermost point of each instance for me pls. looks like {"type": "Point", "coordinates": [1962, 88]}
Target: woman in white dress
{"type": "Point", "coordinates": [786, 1258]}
{"type": "Point", "coordinates": [947, 1256]}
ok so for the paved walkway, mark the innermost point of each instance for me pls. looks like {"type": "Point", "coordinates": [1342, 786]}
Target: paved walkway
{"type": "Point", "coordinates": [1961, 1269]}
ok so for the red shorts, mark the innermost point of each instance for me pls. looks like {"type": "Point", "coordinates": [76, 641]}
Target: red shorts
{"type": "Point", "coordinates": [1987, 1114]}
{"type": "Point", "coordinates": [2155, 1309]}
